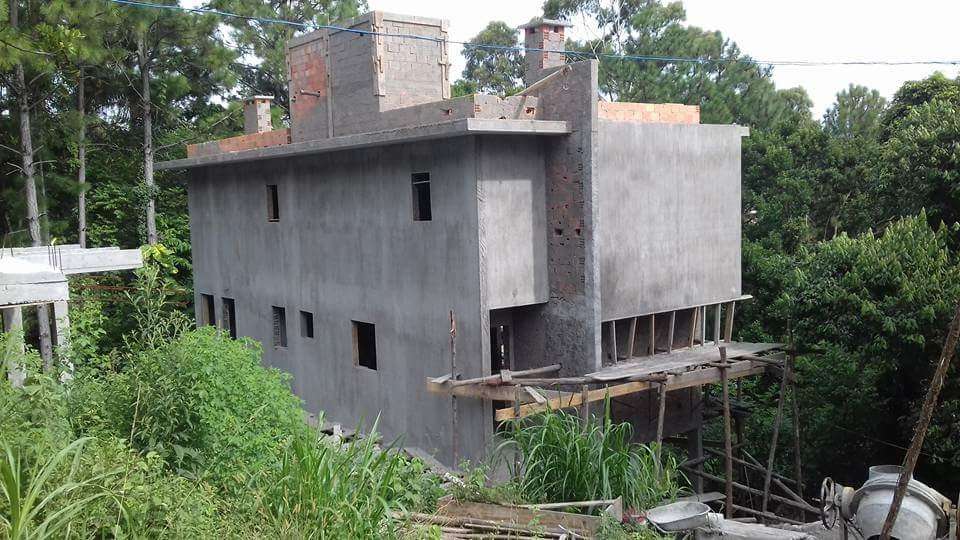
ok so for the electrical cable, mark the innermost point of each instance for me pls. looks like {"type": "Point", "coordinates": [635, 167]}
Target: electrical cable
{"type": "Point", "coordinates": [509, 48]}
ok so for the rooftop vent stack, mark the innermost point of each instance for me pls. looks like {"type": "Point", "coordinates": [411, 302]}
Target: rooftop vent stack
{"type": "Point", "coordinates": [542, 38]}
{"type": "Point", "coordinates": [256, 114]}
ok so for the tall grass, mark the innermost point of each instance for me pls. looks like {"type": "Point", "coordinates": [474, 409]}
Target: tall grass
{"type": "Point", "coordinates": [564, 459]}
{"type": "Point", "coordinates": [338, 490]}
{"type": "Point", "coordinates": [38, 503]}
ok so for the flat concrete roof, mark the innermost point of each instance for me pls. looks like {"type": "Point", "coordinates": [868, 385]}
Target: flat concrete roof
{"type": "Point", "coordinates": [442, 130]}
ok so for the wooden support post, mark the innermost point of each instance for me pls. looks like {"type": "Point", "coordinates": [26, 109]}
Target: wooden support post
{"type": "Point", "coordinates": [612, 340]}
{"type": "Point", "coordinates": [661, 412]}
{"type": "Point", "coordinates": [785, 376]}
{"type": "Point", "coordinates": [673, 323]}
{"type": "Point", "coordinates": [728, 322]}
{"type": "Point", "coordinates": [716, 324]}
{"type": "Point", "coordinates": [695, 453]}
{"type": "Point", "coordinates": [652, 348]}
{"type": "Point", "coordinates": [703, 326]}
{"type": "Point", "coordinates": [585, 405]}
{"type": "Point", "coordinates": [727, 440]}
{"type": "Point", "coordinates": [926, 414]}
{"type": "Point", "coordinates": [631, 337]}
{"type": "Point", "coordinates": [798, 470]}
{"type": "Point", "coordinates": [694, 317]}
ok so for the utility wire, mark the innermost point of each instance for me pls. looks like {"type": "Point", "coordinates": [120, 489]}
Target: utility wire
{"type": "Point", "coordinates": [509, 48]}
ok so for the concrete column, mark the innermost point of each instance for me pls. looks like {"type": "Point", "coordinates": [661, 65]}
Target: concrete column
{"type": "Point", "coordinates": [13, 322]}
{"type": "Point", "coordinates": [61, 317]}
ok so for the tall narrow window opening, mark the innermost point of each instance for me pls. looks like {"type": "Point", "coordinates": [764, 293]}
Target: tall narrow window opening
{"type": "Point", "coordinates": [279, 327]}
{"type": "Point", "coordinates": [306, 324]}
{"type": "Point", "coordinates": [421, 197]}
{"type": "Point", "coordinates": [364, 345]}
{"type": "Point", "coordinates": [230, 317]}
{"type": "Point", "coordinates": [208, 314]}
{"type": "Point", "coordinates": [273, 203]}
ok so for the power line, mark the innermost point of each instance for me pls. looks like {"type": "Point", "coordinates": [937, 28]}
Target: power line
{"type": "Point", "coordinates": [509, 48]}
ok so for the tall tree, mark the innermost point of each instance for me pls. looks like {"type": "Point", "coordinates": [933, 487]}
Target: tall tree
{"type": "Point", "coordinates": [728, 86]}
{"type": "Point", "coordinates": [493, 71]}
{"type": "Point", "coordinates": [856, 113]}
{"type": "Point", "coordinates": [179, 54]}
{"type": "Point", "coordinates": [261, 63]}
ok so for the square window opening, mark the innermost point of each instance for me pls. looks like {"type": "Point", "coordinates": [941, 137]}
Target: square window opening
{"type": "Point", "coordinates": [208, 314]}
{"type": "Point", "coordinates": [273, 203]}
{"type": "Point", "coordinates": [279, 327]}
{"type": "Point", "coordinates": [306, 324]}
{"type": "Point", "coordinates": [230, 317]}
{"type": "Point", "coordinates": [421, 197]}
{"type": "Point", "coordinates": [364, 345]}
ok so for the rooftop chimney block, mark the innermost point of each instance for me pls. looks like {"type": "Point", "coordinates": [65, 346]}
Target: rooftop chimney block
{"type": "Point", "coordinates": [546, 36]}
{"type": "Point", "coordinates": [256, 114]}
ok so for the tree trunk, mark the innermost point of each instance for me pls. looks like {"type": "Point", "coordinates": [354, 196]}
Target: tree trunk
{"type": "Point", "coordinates": [147, 139]}
{"type": "Point", "coordinates": [30, 188]}
{"type": "Point", "coordinates": [82, 167]}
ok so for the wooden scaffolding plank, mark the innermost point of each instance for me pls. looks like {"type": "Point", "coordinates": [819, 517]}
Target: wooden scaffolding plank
{"type": "Point", "coordinates": [689, 379]}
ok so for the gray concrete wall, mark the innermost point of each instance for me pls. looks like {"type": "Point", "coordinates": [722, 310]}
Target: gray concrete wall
{"type": "Point", "coordinates": [670, 216]}
{"type": "Point", "coordinates": [346, 247]}
{"type": "Point", "coordinates": [513, 227]}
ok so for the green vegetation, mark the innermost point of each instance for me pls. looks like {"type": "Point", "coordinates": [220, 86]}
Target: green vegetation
{"type": "Point", "coordinates": [850, 249]}
{"type": "Point", "coordinates": [563, 458]}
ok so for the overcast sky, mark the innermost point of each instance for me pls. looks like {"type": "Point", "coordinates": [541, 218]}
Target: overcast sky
{"type": "Point", "coordinates": [771, 30]}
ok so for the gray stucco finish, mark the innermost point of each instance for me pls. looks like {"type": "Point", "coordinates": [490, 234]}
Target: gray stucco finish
{"type": "Point", "coordinates": [346, 248]}
{"type": "Point", "coordinates": [669, 215]}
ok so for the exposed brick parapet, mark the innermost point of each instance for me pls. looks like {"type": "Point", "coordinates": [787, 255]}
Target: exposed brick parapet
{"type": "Point", "coordinates": [242, 142]}
{"type": "Point", "coordinates": [649, 113]}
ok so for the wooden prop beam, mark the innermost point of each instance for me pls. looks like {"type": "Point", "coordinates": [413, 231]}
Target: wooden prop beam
{"type": "Point", "coordinates": [689, 379]}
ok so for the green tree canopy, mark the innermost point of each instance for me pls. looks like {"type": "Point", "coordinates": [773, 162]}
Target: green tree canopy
{"type": "Point", "coordinates": [492, 71]}
{"type": "Point", "coordinates": [856, 113]}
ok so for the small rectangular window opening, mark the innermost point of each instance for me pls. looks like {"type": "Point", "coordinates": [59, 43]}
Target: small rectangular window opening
{"type": "Point", "coordinates": [273, 203]}
{"type": "Point", "coordinates": [208, 314]}
{"type": "Point", "coordinates": [230, 317]}
{"type": "Point", "coordinates": [279, 327]}
{"type": "Point", "coordinates": [421, 197]}
{"type": "Point", "coordinates": [364, 345]}
{"type": "Point", "coordinates": [306, 324]}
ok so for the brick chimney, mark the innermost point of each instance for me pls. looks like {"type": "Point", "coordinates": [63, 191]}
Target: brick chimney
{"type": "Point", "coordinates": [256, 114]}
{"type": "Point", "coordinates": [545, 35]}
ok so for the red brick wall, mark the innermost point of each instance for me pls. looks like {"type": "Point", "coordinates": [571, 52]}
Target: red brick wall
{"type": "Point", "coordinates": [649, 113]}
{"type": "Point", "coordinates": [238, 144]}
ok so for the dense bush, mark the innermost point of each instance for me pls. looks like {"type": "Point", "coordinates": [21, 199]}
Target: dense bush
{"type": "Point", "coordinates": [565, 459]}
{"type": "Point", "coordinates": [203, 403]}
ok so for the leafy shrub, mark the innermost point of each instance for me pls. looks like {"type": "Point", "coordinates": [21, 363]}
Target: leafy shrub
{"type": "Point", "coordinates": [205, 405]}
{"type": "Point", "coordinates": [564, 459]}
{"type": "Point", "coordinates": [326, 488]}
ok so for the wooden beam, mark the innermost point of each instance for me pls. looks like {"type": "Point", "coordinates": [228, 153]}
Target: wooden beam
{"type": "Point", "coordinates": [727, 440]}
{"type": "Point", "coordinates": [728, 322]}
{"type": "Point", "coordinates": [716, 324]}
{"type": "Point", "coordinates": [673, 323]}
{"type": "Point", "coordinates": [505, 375]}
{"type": "Point", "coordinates": [689, 379]}
{"type": "Point", "coordinates": [631, 337]}
{"type": "Point", "coordinates": [652, 347]}
{"type": "Point", "coordinates": [694, 317]}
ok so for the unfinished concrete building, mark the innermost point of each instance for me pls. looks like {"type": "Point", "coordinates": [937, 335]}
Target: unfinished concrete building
{"type": "Point", "coordinates": [552, 227]}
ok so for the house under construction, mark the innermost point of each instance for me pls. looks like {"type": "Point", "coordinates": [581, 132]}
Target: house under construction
{"type": "Point", "coordinates": [393, 234]}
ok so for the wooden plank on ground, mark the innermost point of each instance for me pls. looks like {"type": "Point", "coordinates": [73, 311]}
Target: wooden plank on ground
{"type": "Point", "coordinates": [514, 515]}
